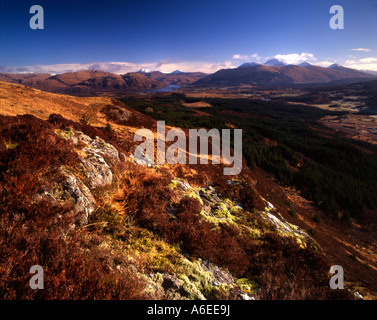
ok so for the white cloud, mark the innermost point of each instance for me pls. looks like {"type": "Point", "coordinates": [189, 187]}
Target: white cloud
{"type": "Point", "coordinates": [166, 65]}
{"type": "Point", "coordinates": [363, 64]}
{"type": "Point", "coordinates": [192, 66]}
{"type": "Point", "coordinates": [254, 56]}
{"type": "Point", "coordinates": [295, 58]}
{"type": "Point", "coordinates": [115, 67]}
{"type": "Point", "coordinates": [170, 65]}
{"type": "Point", "coordinates": [324, 64]}
{"type": "Point", "coordinates": [362, 49]}
{"type": "Point", "coordinates": [240, 57]}
{"type": "Point", "coordinates": [368, 60]}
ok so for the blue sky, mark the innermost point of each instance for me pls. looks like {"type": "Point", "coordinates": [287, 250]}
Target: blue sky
{"type": "Point", "coordinates": [191, 35]}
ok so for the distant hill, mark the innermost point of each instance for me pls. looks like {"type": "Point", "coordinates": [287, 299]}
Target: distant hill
{"type": "Point", "coordinates": [272, 73]}
{"type": "Point", "coordinates": [176, 77]}
{"type": "Point", "coordinates": [275, 73]}
{"type": "Point", "coordinates": [274, 63]}
{"type": "Point", "coordinates": [84, 82]}
{"type": "Point", "coordinates": [248, 64]}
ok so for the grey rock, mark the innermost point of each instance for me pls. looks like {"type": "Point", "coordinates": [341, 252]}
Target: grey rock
{"type": "Point", "coordinates": [83, 200]}
{"type": "Point", "coordinates": [171, 282]}
{"type": "Point", "coordinates": [103, 148]}
{"type": "Point", "coordinates": [219, 276]}
{"type": "Point", "coordinates": [97, 158]}
{"type": "Point", "coordinates": [245, 296]}
{"type": "Point", "coordinates": [97, 170]}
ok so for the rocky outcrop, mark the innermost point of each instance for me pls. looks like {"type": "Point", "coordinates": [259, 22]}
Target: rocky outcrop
{"type": "Point", "coordinates": [92, 157]}
{"type": "Point", "coordinates": [142, 160]}
{"type": "Point", "coordinates": [96, 158]}
{"type": "Point", "coordinates": [82, 198]}
{"type": "Point", "coordinates": [117, 114]}
{"type": "Point", "coordinates": [73, 190]}
{"type": "Point", "coordinates": [218, 210]}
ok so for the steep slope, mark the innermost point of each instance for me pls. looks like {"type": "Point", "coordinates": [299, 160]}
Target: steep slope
{"type": "Point", "coordinates": [18, 100]}
{"type": "Point", "coordinates": [74, 199]}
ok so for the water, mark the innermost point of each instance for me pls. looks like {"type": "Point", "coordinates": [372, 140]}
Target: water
{"type": "Point", "coordinates": [169, 88]}
{"type": "Point", "coordinates": [368, 110]}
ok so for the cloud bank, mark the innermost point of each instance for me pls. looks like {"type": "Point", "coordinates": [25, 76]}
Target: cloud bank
{"type": "Point", "coordinates": [363, 64]}
{"type": "Point", "coordinates": [165, 66]}
{"type": "Point", "coordinates": [362, 49]}
{"type": "Point", "coordinates": [170, 65]}
{"type": "Point", "coordinates": [295, 58]}
{"type": "Point", "coordinates": [252, 57]}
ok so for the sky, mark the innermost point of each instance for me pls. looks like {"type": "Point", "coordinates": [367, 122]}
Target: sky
{"type": "Point", "coordinates": [191, 35]}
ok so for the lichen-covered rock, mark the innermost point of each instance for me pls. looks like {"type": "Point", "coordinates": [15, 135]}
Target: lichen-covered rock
{"type": "Point", "coordinates": [103, 148]}
{"type": "Point", "coordinates": [142, 160]}
{"type": "Point", "coordinates": [286, 229]}
{"type": "Point", "coordinates": [218, 210]}
{"type": "Point", "coordinates": [96, 169]}
{"type": "Point", "coordinates": [71, 189]}
{"type": "Point", "coordinates": [82, 199]}
{"type": "Point", "coordinates": [219, 276]}
{"type": "Point", "coordinates": [95, 157]}
{"type": "Point", "coordinates": [116, 114]}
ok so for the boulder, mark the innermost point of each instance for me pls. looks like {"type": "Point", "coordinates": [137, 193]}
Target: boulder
{"type": "Point", "coordinates": [83, 200]}
{"type": "Point", "coordinates": [97, 170]}
{"type": "Point", "coordinates": [96, 157]}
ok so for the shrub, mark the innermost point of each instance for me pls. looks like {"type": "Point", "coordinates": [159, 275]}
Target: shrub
{"type": "Point", "coordinates": [317, 218]}
{"type": "Point", "coordinates": [242, 193]}
{"type": "Point", "coordinates": [312, 232]}
{"type": "Point", "coordinates": [84, 120]}
{"type": "Point", "coordinates": [281, 269]}
{"type": "Point", "coordinates": [40, 233]}
{"type": "Point", "coordinates": [109, 128]}
{"type": "Point", "coordinates": [292, 213]}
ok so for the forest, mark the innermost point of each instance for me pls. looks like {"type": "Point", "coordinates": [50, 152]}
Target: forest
{"type": "Point", "coordinates": [289, 143]}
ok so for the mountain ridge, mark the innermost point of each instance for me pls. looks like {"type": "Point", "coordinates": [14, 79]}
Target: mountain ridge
{"type": "Point", "coordinates": [88, 82]}
{"type": "Point", "coordinates": [284, 75]}
{"type": "Point", "coordinates": [272, 73]}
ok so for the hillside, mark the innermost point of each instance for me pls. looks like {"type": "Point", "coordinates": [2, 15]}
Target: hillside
{"type": "Point", "coordinates": [105, 225]}
{"type": "Point", "coordinates": [84, 83]}
{"type": "Point", "coordinates": [280, 75]}
{"type": "Point", "coordinates": [177, 78]}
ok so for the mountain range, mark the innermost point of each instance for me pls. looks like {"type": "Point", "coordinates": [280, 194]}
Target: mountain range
{"type": "Point", "coordinates": [176, 77]}
{"type": "Point", "coordinates": [276, 73]}
{"type": "Point", "coordinates": [88, 82]}
{"type": "Point", "coordinates": [272, 73]}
